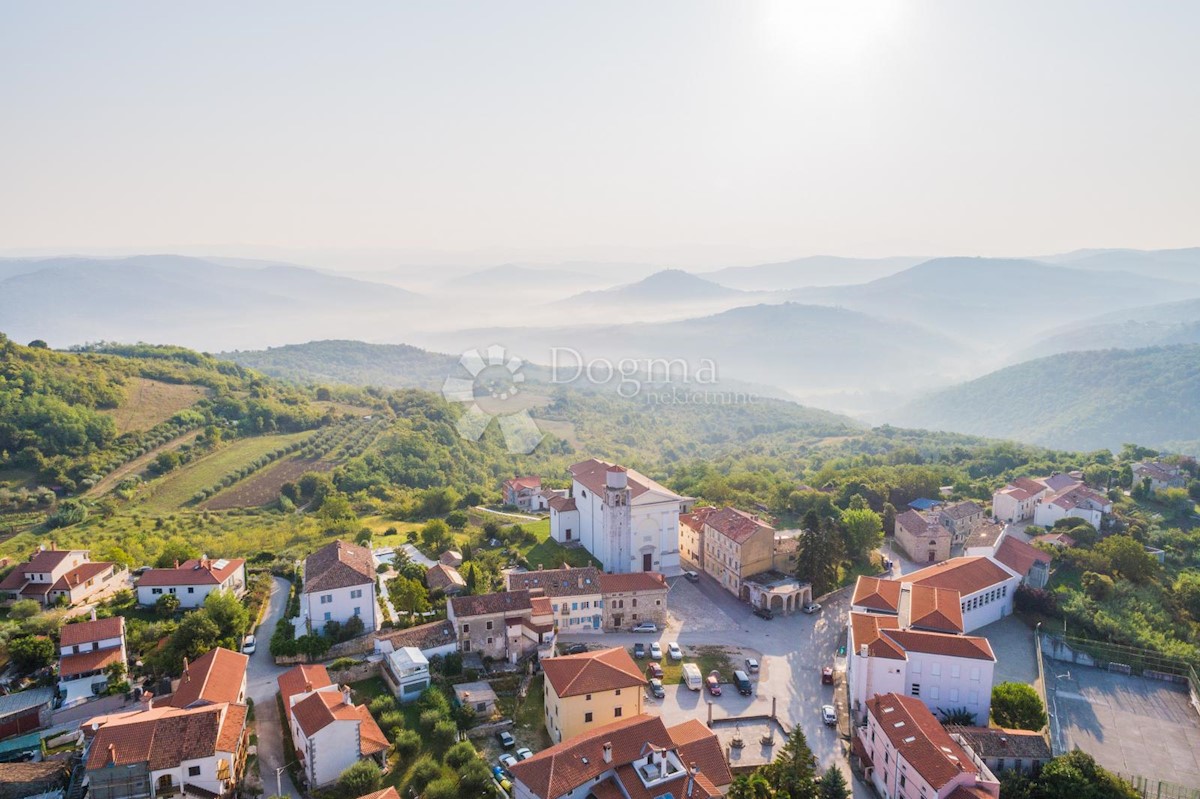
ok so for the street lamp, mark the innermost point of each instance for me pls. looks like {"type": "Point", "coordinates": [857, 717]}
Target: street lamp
{"type": "Point", "coordinates": [279, 778]}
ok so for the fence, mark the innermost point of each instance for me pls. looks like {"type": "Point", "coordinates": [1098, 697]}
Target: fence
{"type": "Point", "coordinates": [1157, 789]}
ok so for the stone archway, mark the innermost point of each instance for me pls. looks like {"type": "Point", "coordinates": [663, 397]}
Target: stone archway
{"type": "Point", "coordinates": [777, 604]}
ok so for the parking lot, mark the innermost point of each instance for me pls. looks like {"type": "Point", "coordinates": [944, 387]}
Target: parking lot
{"type": "Point", "coordinates": [1132, 725]}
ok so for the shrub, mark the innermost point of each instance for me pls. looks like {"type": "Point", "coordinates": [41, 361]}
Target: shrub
{"type": "Point", "coordinates": [1017, 706]}
{"type": "Point", "coordinates": [430, 719]}
{"type": "Point", "coordinates": [361, 778]}
{"type": "Point", "coordinates": [475, 779]}
{"type": "Point", "coordinates": [442, 788]}
{"type": "Point", "coordinates": [424, 771]}
{"type": "Point", "coordinates": [381, 704]}
{"type": "Point", "coordinates": [460, 754]}
{"type": "Point", "coordinates": [443, 736]}
{"type": "Point", "coordinates": [407, 742]}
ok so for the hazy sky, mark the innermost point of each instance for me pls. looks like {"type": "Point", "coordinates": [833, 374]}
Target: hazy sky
{"type": "Point", "coordinates": [654, 130]}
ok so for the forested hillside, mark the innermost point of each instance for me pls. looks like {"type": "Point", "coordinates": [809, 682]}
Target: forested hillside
{"type": "Point", "coordinates": [1077, 400]}
{"type": "Point", "coordinates": [350, 363]}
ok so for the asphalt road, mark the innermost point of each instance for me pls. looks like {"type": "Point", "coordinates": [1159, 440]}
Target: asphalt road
{"type": "Point", "coordinates": [261, 685]}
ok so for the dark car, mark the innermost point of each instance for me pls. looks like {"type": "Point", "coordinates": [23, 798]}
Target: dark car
{"type": "Point", "coordinates": [506, 739]}
{"type": "Point", "coordinates": [764, 613]}
{"type": "Point", "coordinates": [575, 649]}
{"type": "Point", "coordinates": [827, 675]}
{"type": "Point", "coordinates": [742, 680]}
{"type": "Point", "coordinates": [639, 650]}
{"type": "Point", "coordinates": [656, 688]}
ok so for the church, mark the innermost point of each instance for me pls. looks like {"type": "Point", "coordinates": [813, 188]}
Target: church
{"type": "Point", "coordinates": [627, 521]}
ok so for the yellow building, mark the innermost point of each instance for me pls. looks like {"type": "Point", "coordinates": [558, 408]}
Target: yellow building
{"type": "Point", "coordinates": [589, 690]}
{"type": "Point", "coordinates": [736, 546]}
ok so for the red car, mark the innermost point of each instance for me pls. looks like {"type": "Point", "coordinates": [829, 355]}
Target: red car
{"type": "Point", "coordinates": [827, 675]}
{"type": "Point", "coordinates": [654, 670]}
{"type": "Point", "coordinates": [714, 683]}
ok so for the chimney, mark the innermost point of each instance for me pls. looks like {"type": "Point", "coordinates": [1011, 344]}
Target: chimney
{"type": "Point", "coordinates": [346, 696]}
{"type": "Point", "coordinates": [93, 614]}
{"type": "Point", "coordinates": [864, 650]}
{"type": "Point", "coordinates": [308, 687]}
{"type": "Point", "coordinates": [905, 608]}
{"type": "Point", "coordinates": [693, 772]}
{"type": "Point", "coordinates": [187, 677]}
{"type": "Point", "coordinates": [112, 754]}
{"type": "Point", "coordinates": [176, 563]}
{"type": "Point", "coordinates": [580, 580]}
{"type": "Point", "coordinates": [608, 753]}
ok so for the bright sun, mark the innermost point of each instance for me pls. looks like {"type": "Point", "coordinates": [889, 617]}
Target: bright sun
{"type": "Point", "coordinates": [840, 31]}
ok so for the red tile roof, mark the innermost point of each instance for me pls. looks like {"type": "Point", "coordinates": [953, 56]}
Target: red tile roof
{"type": "Point", "coordinates": [563, 504]}
{"type": "Point", "coordinates": [695, 520]}
{"type": "Point", "coordinates": [82, 663]}
{"type": "Point", "coordinates": [876, 594]}
{"type": "Point", "coordinates": [736, 525]}
{"type": "Point", "coordinates": [80, 575]}
{"type": "Point", "coordinates": [193, 572]}
{"type": "Point", "coordinates": [632, 581]}
{"type": "Point", "coordinates": [920, 739]}
{"type": "Point", "coordinates": [370, 738]}
{"type": "Point", "coordinates": [423, 636]}
{"type": "Point", "coordinates": [960, 646]}
{"type": "Point", "coordinates": [215, 676]}
{"type": "Point", "coordinates": [47, 560]}
{"type": "Point", "coordinates": [867, 628]}
{"type": "Point", "coordinates": [592, 474]}
{"type": "Point", "coordinates": [386, 793]}
{"type": "Point", "coordinates": [965, 575]}
{"type": "Point", "coordinates": [84, 632]}
{"type": "Point", "coordinates": [489, 604]}
{"type": "Point", "coordinates": [524, 482]}
{"type": "Point", "coordinates": [568, 581]}
{"type": "Point", "coordinates": [319, 710]}
{"type": "Point", "coordinates": [338, 564]}
{"type": "Point", "coordinates": [935, 609]}
{"type": "Point", "coordinates": [161, 738]}
{"type": "Point", "coordinates": [1019, 556]}
{"type": "Point", "coordinates": [440, 577]}
{"type": "Point", "coordinates": [592, 672]}
{"type": "Point", "coordinates": [305, 678]}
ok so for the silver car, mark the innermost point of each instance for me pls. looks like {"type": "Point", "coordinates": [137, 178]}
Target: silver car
{"type": "Point", "coordinates": [829, 715]}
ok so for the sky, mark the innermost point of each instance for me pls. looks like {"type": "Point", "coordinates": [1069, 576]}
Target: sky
{"type": "Point", "coordinates": [673, 132]}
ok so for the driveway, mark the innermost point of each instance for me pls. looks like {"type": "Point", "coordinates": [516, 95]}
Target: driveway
{"type": "Point", "coordinates": [261, 685]}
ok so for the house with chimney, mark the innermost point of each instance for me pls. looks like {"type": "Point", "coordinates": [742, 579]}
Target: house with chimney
{"type": "Point", "coordinates": [520, 491]}
{"type": "Point", "coordinates": [329, 732]}
{"type": "Point", "coordinates": [1045, 500]}
{"type": "Point", "coordinates": [193, 742]}
{"type": "Point", "coordinates": [586, 691]}
{"type": "Point", "coordinates": [905, 752]}
{"type": "Point", "coordinates": [52, 576]}
{"type": "Point", "coordinates": [86, 650]}
{"type": "Point", "coordinates": [628, 522]}
{"type": "Point", "coordinates": [1161, 475]}
{"type": "Point", "coordinates": [574, 593]}
{"type": "Point", "coordinates": [339, 584]}
{"type": "Point", "coordinates": [192, 581]}
{"type": "Point", "coordinates": [509, 625]}
{"type": "Point", "coordinates": [639, 756]}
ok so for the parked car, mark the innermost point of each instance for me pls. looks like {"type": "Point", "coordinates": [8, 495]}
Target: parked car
{"type": "Point", "coordinates": [646, 627]}
{"type": "Point", "coordinates": [691, 577]}
{"type": "Point", "coordinates": [764, 613]}
{"type": "Point", "coordinates": [829, 715]}
{"type": "Point", "coordinates": [524, 753]}
{"type": "Point", "coordinates": [249, 644]}
{"type": "Point", "coordinates": [812, 607]}
{"type": "Point", "coordinates": [713, 682]}
{"type": "Point", "coordinates": [655, 651]}
{"type": "Point", "coordinates": [639, 650]}
{"type": "Point", "coordinates": [506, 739]}
{"type": "Point", "coordinates": [827, 675]}
{"type": "Point", "coordinates": [575, 649]}
{"type": "Point", "coordinates": [742, 680]}
{"type": "Point", "coordinates": [507, 761]}
{"type": "Point", "coordinates": [656, 688]}
{"type": "Point", "coordinates": [674, 652]}
{"type": "Point", "coordinates": [752, 665]}
{"type": "Point", "coordinates": [654, 670]}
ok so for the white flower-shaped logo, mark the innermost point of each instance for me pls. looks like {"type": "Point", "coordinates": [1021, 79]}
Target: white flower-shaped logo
{"type": "Point", "coordinates": [495, 380]}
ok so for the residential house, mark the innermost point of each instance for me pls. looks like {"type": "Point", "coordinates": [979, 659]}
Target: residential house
{"type": "Point", "coordinates": [922, 538]}
{"type": "Point", "coordinates": [519, 491]}
{"type": "Point", "coordinates": [574, 593]}
{"type": "Point", "coordinates": [905, 753]}
{"type": "Point", "coordinates": [192, 581]}
{"type": "Point", "coordinates": [1045, 500]}
{"type": "Point", "coordinates": [443, 579]}
{"type": "Point", "coordinates": [632, 598]}
{"type": "Point", "coordinates": [1056, 540]}
{"type": "Point", "coordinates": [984, 538]}
{"type": "Point", "coordinates": [451, 558]}
{"type": "Point", "coordinates": [589, 690]}
{"type": "Point", "coordinates": [736, 545]}
{"type": "Point", "coordinates": [639, 756]}
{"type": "Point", "coordinates": [434, 638]}
{"type": "Point", "coordinates": [985, 587]}
{"type": "Point", "coordinates": [787, 549]}
{"type": "Point", "coordinates": [478, 696]}
{"type": "Point", "coordinates": [507, 626]}
{"type": "Point", "coordinates": [541, 499]}
{"type": "Point", "coordinates": [25, 711]}
{"type": "Point", "coordinates": [691, 535]}
{"type": "Point", "coordinates": [339, 584]}
{"type": "Point", "coordinates": [329, 732]}
{"type": "Point", "coordinates": [626, 520]}
{"type": "Point", "coordinates": [1000, 749]}
{"type": "Point", "coordinates": [1075, 501]}
{"type": "Point", "coordinates": [86, 650]}
{"type": "Point", "coordinates": [1025, 560]}
{"type": "Point", "coordinates": [1161, 475]}
{"type": "Point", "coordinates": [217, 676]}
{"type": "Point", "coordinates": [1017, 500]}
{"type": "Point", "coordinates": [59, 575]}
{"type": "Point", "coordinates": [406, 673]}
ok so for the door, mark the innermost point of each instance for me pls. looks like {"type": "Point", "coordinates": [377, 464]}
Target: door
{"type": "Point", "coordinates": [648, 562]}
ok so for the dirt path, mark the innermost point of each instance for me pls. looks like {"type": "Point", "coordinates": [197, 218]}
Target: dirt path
{"type": "Point", "coordinates": [137, 464]}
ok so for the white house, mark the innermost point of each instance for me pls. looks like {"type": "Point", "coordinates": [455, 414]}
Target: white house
{"type": "Point", "coordinates": [406, 672]}
{"type": "Point", "coordinates": [1076, 501]}
{"type": "Point", "coordinates": [86, 649]}
{"type": "Point", "coordinates": [985, 587]}
{"type": "Point", "coordinates": [1161, 475]}
{"type": "Point", "coordinates": [575, 595]}
{"type": "Point", "coordinates": [339, 584]}
{"type": "Point", "coordinates": [329, 732]}
{"type": "Point", "coordinates": [626, 520]}
{"type": "Point", "coordinates": [906, 753]}
{"type": "Point", "coordinates": [1017, 500]}
{"type": "Point", "coordinates": [52, 575]}
{"type": "Point", "coordinates": [192, 581]}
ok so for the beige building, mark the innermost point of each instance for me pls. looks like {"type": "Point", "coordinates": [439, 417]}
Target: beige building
{"type": "Point", "coordinates": [504, 626]}
{"type": "Point", "coordinates": [587, 691]}
{"type": "Point", "coordinates": [691, 535]}
{"type": "Point", "coordinates": [736, 545]}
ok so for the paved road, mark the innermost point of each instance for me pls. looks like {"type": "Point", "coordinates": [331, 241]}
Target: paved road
{"type": "Point", "coordinates": [261, 676]}
{"type": "Point", "coordinates": [791, 649]}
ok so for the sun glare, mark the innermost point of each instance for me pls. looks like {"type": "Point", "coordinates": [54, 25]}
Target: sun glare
{"type": "Point", "coordinates": [839, 31]}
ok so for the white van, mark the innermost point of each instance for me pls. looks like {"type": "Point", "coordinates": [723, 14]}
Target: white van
{"type": "Point", "coordinates": [691, 676]}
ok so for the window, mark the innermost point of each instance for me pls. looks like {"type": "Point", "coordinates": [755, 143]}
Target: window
{"type": "Point", "coordinates": [903, 780]}
{"type": "Point", "coordinates": [934, 692]}
{"type": "Point", "coordinates": [156, 590]}
{"type": "Point", "coordinates": [328, 616]}
{"type": "Point", "coordinates": [587, 698]}
{"type": "Point", "coordinates": [326, 599]}
{"type": "Point", "coordinates": [172, 590]}
{"type": "Point", "coordinates": [587, 717]}
{"type": "Point", "coordinates": [356, 593]}
{"type": "Point", "coordinates": [617, 712]}
{"type": "Point", "coordinates": [489, 640]}
{"type": "Point", "coordinates": [191, 590]}
{"type": "Point", "coordinates": [574, 606]}
{"type": "Point", "coordinates": [466, 629]}
{"type": "Point", "coordinates": [555, 607]}
{"type": "Point", "coordinates": [488, 626]}
{"type": "Point", "coordinates": [916, 689]}
{"type": "Point", "coordinates": [953, 694]}
{"type": "Point", "coordinates": [975, 674]}
{"type": "Point", "coordinates": [916, 667]}
{"type": "Point", "coordinates": [935, 669]}
{"type": "Point", "coordinates": [193, 771]}
{"type": "Point", "coordinates": [357, 611]}
{"type": "Point", "coordinates": [634, 605]}
{"type": "Point", "coordinates": [954, 670]}
{"type": "Point", "coordinates": [618, 692]}
{"type": "Point", "coordinates": [973, 697]}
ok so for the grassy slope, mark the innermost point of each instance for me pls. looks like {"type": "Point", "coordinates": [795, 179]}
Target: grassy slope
{"type": "Point", "coordinates": [148, 402]}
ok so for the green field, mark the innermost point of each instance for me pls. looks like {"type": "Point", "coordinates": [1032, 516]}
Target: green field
{"type": "Point", "coordinates": [176, 489]}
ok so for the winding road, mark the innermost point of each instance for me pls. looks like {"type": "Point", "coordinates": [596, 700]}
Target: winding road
{"type": "Point", "coordinates": [261, 685]}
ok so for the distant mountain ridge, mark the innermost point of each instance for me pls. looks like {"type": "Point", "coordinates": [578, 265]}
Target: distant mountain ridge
{"type": "Point", "coordinates": [351, 363]}
{"type": "Point", "coordinates": [667, 286]}
{"type": "Point", "coordinates": [1076, 400]}
{"type": "Point", "coordinates": [817, 270]}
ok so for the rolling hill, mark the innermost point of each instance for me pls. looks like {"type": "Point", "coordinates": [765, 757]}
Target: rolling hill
{"type": "Point", "coordinates": [817, 270]}
{"type": "Point", "coordinates": [670, 286]}
{"type": "Point", "coordinates": [1182, 264]}
{"type": "Point", "coordinates": [1133, 328]}
{"type": "Point", "coordinates": [350, 363]}
{"type": "Point", "coordinates": [1077, 400]}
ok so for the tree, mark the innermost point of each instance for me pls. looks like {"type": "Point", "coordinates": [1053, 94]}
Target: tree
{"type": "Point", "coordinates": [408, 595]}
{"type": "Point", "coordinates": [793, 774]}
{"type": "Point", "coordinates": [1076, 775]}
{"type": "Point", "coordinates": [230, 616]}
{"type": "Point", "coordinates": [166, 605]}
{"type": "Point", "coordinates": [1186, 588]}
{"type": "Point", "coordinates": [24, 609]}
{"type": "Point", "coordinates": [833, 784]}
{"type": "Point", "coordinates": [31, 653]}
{"type": "Point", "coordinates": [362, 778]}
{"type": "Point", "coordinates": [435, 533]}
{"type": "Point", "coordinates": [864, 531]}
{"type": "Point", "coordinates": [471, 578]}
{"type": "Point", "coordinates": [750, 786]}
{"type": "Point", "coordinates": [456, 519]}
{"type": "Point", "coordinates": [1128, 557]}
{"type": "Point", "coordinates": [175, 550]}
{"type": "Point", "coordinates": [196, 634]}
{"type": "Point", "coordinates": [1017, 706]}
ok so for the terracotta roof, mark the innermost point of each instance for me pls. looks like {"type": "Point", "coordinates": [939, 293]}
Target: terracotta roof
{"type": "Point", "coordinates": [489, 604]}
{"type": "Point", "coordinates": [370, 738]}
{"type": "Point", "coordinates": [451, 558]}
{"type": "Point", "coordinates": [318, 710]}
{"type": "Point", "coordinates": [1075, 496]}
{"type": "Point", "coordinates": [591, 474]}
{"type": "Point", "coordinates": [969, 792]}
{"type": "Point", "coordinates": [193, 572]}
{"type": "Point", "coordinates": [632, 581]}
{"type": "Point", "coordinates": [338, 564]}
{"type": "Point", "coordinates": [1059, 481]}
{"type": "Point", "coordinates": [960, 646]}
{"type": "Point", "coordinates": [160, 738]}
{"type": "Point", "coordinates": [47, 560]}
{"type": "Point", "coordinates": [698, 745]}
{"type": "Point", "coordinates": [935, 609]}
{"type": "Point", "coordinates": [960, 510]}
{"type": "Point", "coordinates": [386, 793]}
{"type": "Point", "coordinates": [984, 534]}
{"type": "Point", "coordinates": [563, 504]}
{"type": "Point", "coordinates": [867, 628]}
{"type": "Point", "coordinates": [84, 662]}
{"type": "Point", "coordinates": [695, 520]}
{"type": "Point", "coordinates": [14, 580]}
{"type": "Point", "coordinates": [84, 632]}
{"type": "Point", "coordinates": [592, 672]}
{"type": "Point", "coordinates": [557, 582]}
{"type": "Point", "coordinates": [541, 605]}
{"type": "Point", "coordinates": [423, 636]}
{"type": "Point", "coordinates": [736, 525]}
{"type": "Point", "coordinates": [876, 594]}
{"type": "Point", "coordinates": [1019, 556]}
{"type": "Point", "coordinates": [215, 676]}
{"type": "Point", "coordinates": [81, 574]}
{"type": "Point", "coordinates": [524, 482]}
{"type": "Point", "coordinates": [1057, 539]}
{"type": "Point", "coordinates": [302, 679]}
{"type": "Point", "coordinates": [965, 575]}
{"type": "Point", "coordinates": [440, 577]}
{"type": "Point", "coordinates": [920, 739]}
{"type": "Point", "coordinates": [1033, 487]}
{"type": "Point", "coordinates": [232, 728]}
{"type": "Point", "coordinates": [918, 525]}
